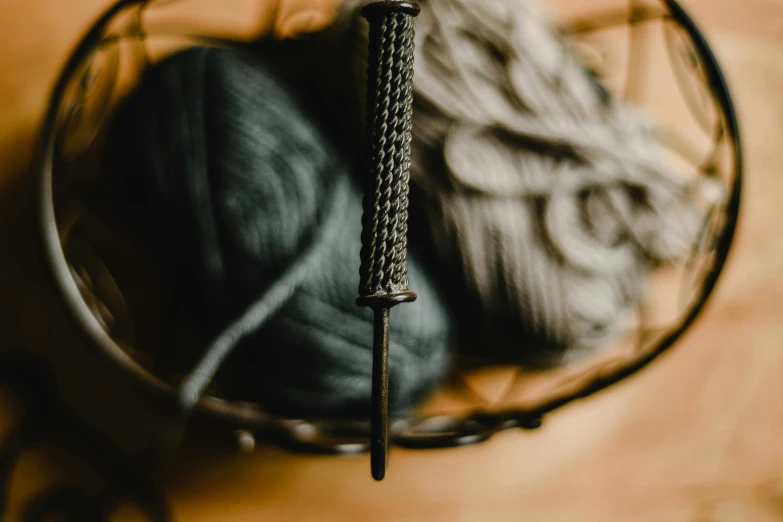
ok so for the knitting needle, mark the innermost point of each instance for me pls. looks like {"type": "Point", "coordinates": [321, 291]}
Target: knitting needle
{"type": "Point", "coordinates": [384, 270]}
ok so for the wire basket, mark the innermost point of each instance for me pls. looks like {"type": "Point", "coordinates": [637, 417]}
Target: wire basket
{"type": "Point", "coordinates": [650, 54]}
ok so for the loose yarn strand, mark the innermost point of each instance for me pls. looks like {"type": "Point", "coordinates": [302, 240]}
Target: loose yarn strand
{"type": "Point", "coordinates": [255, 316]}
{"type": "Point", "coordinates": [266, 306]}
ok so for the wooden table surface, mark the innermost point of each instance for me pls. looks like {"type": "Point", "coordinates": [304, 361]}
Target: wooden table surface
{"type": "Point", "coordinates": [696, 437]}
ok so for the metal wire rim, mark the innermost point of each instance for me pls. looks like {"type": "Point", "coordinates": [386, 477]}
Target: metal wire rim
{"type": "Point", "coordinates": [350, 437]}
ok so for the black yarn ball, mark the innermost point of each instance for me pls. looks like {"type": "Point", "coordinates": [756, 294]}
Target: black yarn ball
{"type": "Point", "coordinates": [227, 169]}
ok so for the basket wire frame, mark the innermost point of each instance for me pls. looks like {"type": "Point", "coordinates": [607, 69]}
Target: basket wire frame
{"type": "Point", "coordinates": [118, 48]}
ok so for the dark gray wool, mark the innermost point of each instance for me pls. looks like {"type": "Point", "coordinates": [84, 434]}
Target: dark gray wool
{"type": "Point", "coordinates": [223, 165]}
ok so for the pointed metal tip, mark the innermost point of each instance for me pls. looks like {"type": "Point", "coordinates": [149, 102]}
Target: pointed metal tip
{"type": "Point", "coordinates": [378, 470]}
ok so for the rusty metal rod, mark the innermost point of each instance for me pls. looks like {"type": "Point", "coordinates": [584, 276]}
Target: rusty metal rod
{"type": "Point", "coordinates": [379, 434]}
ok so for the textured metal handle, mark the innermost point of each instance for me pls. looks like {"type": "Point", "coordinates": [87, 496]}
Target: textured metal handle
{"type": "Point", "coordinates": [384, 266]}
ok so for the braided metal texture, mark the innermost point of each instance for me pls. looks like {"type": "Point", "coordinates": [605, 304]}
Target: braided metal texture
{"type": "Point", "coordinates": [384, 268]}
